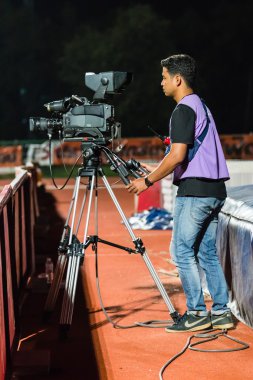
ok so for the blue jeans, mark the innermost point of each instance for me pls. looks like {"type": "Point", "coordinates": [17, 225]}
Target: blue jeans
{"type": "Point", "coordinates": [194, 241]}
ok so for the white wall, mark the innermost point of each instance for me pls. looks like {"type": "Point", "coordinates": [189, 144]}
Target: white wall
{"type": "Point", "coordinates": [241, 173]}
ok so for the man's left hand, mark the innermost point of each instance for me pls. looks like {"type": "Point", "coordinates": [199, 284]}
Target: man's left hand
{"type": "Point", "coordinates": [137, 186]}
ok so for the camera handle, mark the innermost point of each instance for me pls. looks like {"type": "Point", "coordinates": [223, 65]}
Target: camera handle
{"type": "Point", "coordinates": [124, 168]}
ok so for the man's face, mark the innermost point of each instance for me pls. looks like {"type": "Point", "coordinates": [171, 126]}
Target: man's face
{"type": "Point", "coordinates": [169, 83]}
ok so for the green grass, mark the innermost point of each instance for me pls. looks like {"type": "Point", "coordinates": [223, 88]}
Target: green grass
{"type": "Point", "coordinates": [10, 176]}
{"type": "Point", "coordinates": [59, 172]}
{"type": "Point", "coordinates": [20, 142]}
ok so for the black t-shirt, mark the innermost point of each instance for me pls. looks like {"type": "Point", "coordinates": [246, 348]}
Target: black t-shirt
{"type": "Point", "coordinates": [183, 131]}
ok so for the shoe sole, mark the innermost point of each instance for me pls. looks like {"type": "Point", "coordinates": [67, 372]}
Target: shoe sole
{"type": "Point", "coordinates": [197, 328]}
{"type": "Point", "coordinates": [224, 326]}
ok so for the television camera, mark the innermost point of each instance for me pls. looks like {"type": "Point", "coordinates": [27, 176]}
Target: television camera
{"type": "Point", "coordinates": [78, 119]}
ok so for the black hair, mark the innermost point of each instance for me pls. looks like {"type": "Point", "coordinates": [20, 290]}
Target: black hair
{"type": "Point", "coordinates": [181, 64]}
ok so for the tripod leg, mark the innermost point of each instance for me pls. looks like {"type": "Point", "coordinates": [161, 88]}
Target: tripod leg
{"type": "Point", "coordinates": [55, 286]}
{"type": "Point", "coordinates": [81, 212]}
{"type": "Point", "coordinates": [61, 261]}
{"type": "Point", "coordinates": [144, 255]}
{"type": "Point", "coordinates": [73, 267]}
{"type": "Point", "coordinates": [69, 296]}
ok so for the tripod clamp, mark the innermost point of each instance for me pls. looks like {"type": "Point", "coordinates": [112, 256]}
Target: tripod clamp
{"type": "Point", "coordinates": [139, 246]}
{"type": "Point", "coordinates": [75, 249]}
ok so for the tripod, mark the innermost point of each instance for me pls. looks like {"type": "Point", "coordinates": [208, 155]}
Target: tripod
{"type": "Point", "coordinates": [71, 251]}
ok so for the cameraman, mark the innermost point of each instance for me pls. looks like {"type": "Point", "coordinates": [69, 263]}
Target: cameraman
{"type": "Point", "coordinates": [197, 160]}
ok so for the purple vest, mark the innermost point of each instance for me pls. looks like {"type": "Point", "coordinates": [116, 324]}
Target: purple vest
{"type": "Point", "coordinates": [209, 161]}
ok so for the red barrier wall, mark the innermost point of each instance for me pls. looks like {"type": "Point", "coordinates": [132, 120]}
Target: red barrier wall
{"type": "Point", "coordinates": [238, 146]}
{"type": "Point", "coordinates": [11, 155]}
{"type": "Point", "coordinates": [18, 210]}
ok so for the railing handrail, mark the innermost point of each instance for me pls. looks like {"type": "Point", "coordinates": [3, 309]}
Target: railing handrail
{"type": "Point", "coordinates": [18, 211]}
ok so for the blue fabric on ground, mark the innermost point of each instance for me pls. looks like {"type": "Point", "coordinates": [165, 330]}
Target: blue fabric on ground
{"type": "Point", "coordinates": [152, 219]}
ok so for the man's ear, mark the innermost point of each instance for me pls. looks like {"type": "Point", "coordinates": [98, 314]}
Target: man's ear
{"type": "Point", "coordinates": [178, 80]}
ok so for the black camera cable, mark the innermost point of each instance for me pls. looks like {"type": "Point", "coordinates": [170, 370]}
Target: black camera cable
{"type": "Point", "coordinates": [208, 336]}
{"type": "Point", "coordinates": [50, 166]}
{"type": "Point", "coordinates": [150, 323]}
{"type": "Point", "coordinates": [62, 154]}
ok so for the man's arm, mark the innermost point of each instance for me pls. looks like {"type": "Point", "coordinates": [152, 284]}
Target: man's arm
{"type": "Point", "coordinates": [175, 157]}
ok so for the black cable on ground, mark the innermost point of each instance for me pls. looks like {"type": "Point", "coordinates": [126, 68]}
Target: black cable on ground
{"type": "Point", "coordinates": [209, 335]}
{"type": "Point", "coordinates": [150, 324]}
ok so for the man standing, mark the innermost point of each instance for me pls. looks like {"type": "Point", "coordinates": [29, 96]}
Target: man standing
{"type": "Point", "coordinates": [197, 160]}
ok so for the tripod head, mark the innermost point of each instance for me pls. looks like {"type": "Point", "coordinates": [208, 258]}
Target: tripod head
{"type": "Point", "coordinates": [91, 153]}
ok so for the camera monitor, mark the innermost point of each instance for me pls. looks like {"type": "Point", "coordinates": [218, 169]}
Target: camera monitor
{"type": "Point", "coordinates": [107, 83]}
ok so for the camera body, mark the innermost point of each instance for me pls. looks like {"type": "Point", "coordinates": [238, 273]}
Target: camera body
{"type": "Point", "coordinates": [78, 119]}
{"type": "Point", "coordinates": [90, 121]}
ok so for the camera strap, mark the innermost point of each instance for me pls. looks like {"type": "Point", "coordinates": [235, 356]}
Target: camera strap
{"type": "Point", "coordinates": [198, 141]}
